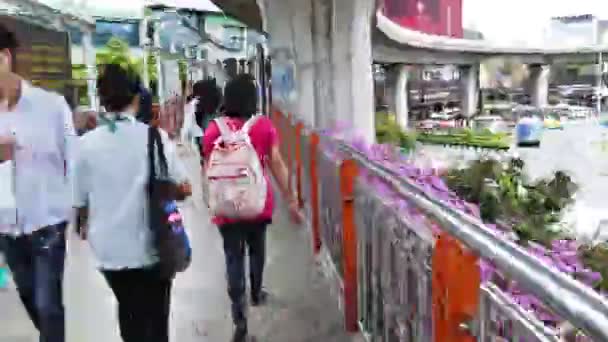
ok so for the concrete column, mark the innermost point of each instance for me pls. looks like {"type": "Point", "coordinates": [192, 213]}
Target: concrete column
{"type": "Point", "coordinates": [361, 68]}
{"type": "Point", "coordinates": [301, 35]}
{"type": "Point", "coordinates": [90, 63]}
{"type": "Point", "coordinates": [320, 26]}
{"type": "Point", "coordinates": [539, 85]}
{"type": "Point", "coordinates": [469, 83]}
{"type": "Point", "coordinates": [397, 88]}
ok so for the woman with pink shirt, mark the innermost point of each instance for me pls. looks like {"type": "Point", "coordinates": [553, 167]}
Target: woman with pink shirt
{"type": "Point", "coordinates": [240, 104]}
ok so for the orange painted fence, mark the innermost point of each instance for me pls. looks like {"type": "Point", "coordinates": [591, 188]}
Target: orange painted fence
{"type": "Point", "coordinates": [404, 267]}
{"type": "Point", "coordinates": [326, 189]}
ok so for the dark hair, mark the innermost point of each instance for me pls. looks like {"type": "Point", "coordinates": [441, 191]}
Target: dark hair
{"type": "Point", "coordinates": [8, 40]}
{"type": "Point", "coordinates": [240, 97]}
{"type": "Point", "coordinates": [209, 97]}
{"type": "Point", "coordinates": [117, 88]}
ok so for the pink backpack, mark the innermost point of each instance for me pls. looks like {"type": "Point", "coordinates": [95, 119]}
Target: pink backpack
{"type": "Point", "coordinates": [235, 174]}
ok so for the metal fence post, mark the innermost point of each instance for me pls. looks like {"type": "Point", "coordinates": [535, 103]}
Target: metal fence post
{"type": "Point", "coordinates": [456, 280]}
{"type": "Point", "coordinates": [314, 192]}
{"type": "Point", "coordinates": [348, 174]}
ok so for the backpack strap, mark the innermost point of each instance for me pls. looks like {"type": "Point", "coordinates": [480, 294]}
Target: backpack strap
{"type": "Point", "coordinates": [249, 124]}
{"type": "Point", "coordinates": [225, 131]}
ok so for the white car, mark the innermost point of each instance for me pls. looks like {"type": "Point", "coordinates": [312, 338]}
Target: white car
{"type": "Point", "coordinates": [493, 123]}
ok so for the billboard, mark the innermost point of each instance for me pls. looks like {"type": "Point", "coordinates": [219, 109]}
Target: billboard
{"type": "Point", "coordinates": [438, 17]}
{"type": "Point", "coordinates": [43, 56]}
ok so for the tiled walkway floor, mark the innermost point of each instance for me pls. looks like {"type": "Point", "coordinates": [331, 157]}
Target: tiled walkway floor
{"type": "Point", "coordinates": [301, 308]}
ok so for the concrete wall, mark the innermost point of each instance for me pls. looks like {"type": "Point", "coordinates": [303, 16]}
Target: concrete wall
{"type": "Point", "coordinates": [328, 44]}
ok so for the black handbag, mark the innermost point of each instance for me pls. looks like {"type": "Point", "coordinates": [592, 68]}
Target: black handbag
{"type": "Point", "coordinates": [170, 239]}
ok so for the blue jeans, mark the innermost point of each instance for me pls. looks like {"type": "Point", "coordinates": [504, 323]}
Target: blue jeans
{"type": "Point", "coordinates": [236, 237]}
{"type": "Point", "coordinates": [37, 262]}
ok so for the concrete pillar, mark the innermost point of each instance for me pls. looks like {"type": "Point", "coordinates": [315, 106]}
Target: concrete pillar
{"type": "Point", "coordinates": [352, 66]}
{"type": "Point", "coordinates": [90, 63]}
{"type": "Point", "coordinates": [397, 87]}
{"type": "Point", "coordinates": [539, 85]}
{"type": "Point", "coordinates": [321, 30]}
{"type": "Point", "coordinates": [361, 68]}
{"type": "Point", "coordinates": [469, 87]}
{"type": "Point", "coordinates": [341, 58]}
{"type": "Point", "coordinates": [301, 35]}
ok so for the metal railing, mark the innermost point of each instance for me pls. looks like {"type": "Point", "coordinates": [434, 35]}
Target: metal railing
{"type": "Point", "coordinates": [407, 264]}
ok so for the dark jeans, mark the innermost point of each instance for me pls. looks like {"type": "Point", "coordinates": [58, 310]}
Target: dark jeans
{"type": "Point", "coordinates": [236, 236]}
{"type": "Point", "coordinates": [144, 303]}
{"type": "Point", "coordinates": [37, 263]}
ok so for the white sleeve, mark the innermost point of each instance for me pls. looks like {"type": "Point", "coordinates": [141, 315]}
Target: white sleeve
{"type": "Point", "coordinates": [69, 138]}
{"type": "Point", "coordinates": [175, 167]}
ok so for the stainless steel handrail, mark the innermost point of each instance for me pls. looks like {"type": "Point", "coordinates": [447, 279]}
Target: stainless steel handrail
{"type": "Point", "coordinates": [574, 302]}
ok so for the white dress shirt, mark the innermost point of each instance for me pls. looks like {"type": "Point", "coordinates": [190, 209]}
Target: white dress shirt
{"type": "Point", "coordinates": [42, 125]}
{"type": "Point", "coordinates": [190, 128]}
{"type": "Point", "coordinates": [111, 175]}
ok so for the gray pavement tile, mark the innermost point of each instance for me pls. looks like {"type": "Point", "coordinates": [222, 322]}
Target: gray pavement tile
{"type": "Point", "coordinates": [300, 309]}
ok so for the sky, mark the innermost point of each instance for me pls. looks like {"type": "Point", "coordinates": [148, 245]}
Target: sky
{"type": "Point", "coordinates": [523, 21]}
{"type": "Point", "coordinates": [508, 21]}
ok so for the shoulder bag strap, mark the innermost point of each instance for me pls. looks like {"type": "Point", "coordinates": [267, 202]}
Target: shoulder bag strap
{"type": "Point", "coordinates": [151, 155]}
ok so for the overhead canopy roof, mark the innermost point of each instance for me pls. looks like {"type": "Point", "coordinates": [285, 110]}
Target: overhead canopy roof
{"type": "Point", "coordinates": [247, 11]}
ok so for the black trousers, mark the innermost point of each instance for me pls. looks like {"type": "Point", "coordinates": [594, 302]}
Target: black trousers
{"type": "Point", "coordinates": [236, 237]}
{"type": "Point", "coordinates": [144, 303]}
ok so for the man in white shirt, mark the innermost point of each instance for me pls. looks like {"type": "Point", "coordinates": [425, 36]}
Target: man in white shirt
{"type": "Point", "coordinates": [35, 129]}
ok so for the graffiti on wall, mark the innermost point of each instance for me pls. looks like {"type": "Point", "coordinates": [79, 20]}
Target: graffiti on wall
{"type": "Point", "coordinates": [283, 76]}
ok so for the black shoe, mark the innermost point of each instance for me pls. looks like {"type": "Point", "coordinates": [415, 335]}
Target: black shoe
{"type": "Point", "coordinates": [259, 298]}
{"type": "Point", "coordinates": [240, 333]}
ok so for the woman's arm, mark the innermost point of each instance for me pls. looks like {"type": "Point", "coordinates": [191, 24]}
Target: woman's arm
{"type": "Point", "coordinates": [281, 174]}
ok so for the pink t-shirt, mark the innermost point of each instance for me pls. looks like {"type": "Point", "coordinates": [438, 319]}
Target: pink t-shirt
{"type": "Point", "coordinates": [263, 137]}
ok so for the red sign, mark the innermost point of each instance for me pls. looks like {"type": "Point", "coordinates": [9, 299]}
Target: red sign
{"type": "Point", "coordinates": [438, 17]}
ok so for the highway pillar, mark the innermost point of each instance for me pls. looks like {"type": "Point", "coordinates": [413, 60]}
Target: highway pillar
{"type": "Point", "coordinates": [326, 63]}
{"type": "Point", "coordinates": [323, 83]}
{"type": "Point", "coordinates": [397, 77]}
{"type": "Point", "coordinates": [469, 87]}
{"type": "Point", "coordinates": [539, 85]}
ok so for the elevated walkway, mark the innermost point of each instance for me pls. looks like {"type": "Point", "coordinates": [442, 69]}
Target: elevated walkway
{"type": "Point", "coordinates": [301, 307]}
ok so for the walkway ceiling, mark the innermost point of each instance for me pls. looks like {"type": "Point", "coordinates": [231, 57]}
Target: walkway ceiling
{"type": "Point", "coordinates": [246, 11]}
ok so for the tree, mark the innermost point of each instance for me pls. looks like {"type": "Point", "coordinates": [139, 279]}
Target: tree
{"type": "Point", "coordinates": [117, 51]}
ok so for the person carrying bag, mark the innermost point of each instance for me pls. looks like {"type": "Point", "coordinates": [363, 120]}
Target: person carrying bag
{"type": "Point", "coordinates": [127, 179]}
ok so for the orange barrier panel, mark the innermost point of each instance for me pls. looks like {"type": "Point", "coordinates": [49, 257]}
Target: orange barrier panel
{"type": "Point", "coordinates": [299, 128]}
{"type": "Point", "coordinates": [455, 289]}
{"type": "Point", "coordinates": [314, 193]}
{"type": "Point", "coordinates": [348, 175]}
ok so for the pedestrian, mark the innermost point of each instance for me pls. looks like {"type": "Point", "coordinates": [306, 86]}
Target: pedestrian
{"type": "Point", "coordinates": [240, 104]}
{"type": "Point", "coordinates": [208, 98]}
{"type": "Point", "coordinates": [36, 131]}
{"type": "Point", "coordinates": [191, 131]}
{"type": "Point", "coordinates": [110, 193]}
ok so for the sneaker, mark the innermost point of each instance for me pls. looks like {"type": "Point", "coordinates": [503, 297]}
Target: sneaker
{"type": "Point", "coordinates": [259, 298]}
{"type": "Point", "coordinates": [240, 333]}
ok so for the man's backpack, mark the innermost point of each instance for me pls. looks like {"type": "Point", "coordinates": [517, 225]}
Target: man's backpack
{"type": "Point", "coordinates": [235, 174]}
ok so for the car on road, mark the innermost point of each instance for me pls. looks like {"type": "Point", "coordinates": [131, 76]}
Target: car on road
{"type": "Point", "coordinates": [492, 123]}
